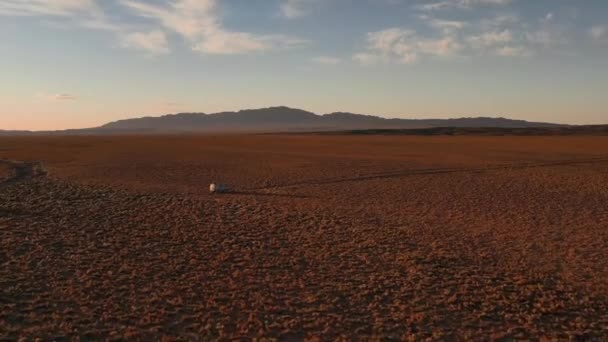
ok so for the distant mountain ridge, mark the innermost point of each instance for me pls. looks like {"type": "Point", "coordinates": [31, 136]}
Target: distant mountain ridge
{"type": "Point", "coordinates": [281, 119]}
{"type": "Point", "coordinates": [289, 119]}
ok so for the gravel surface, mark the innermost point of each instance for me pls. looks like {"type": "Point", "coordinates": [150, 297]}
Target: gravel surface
{"type": "Point", "coordinates": [322, 237]}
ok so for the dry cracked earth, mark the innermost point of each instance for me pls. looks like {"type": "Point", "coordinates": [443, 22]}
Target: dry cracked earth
{"type": "Point", "coordinates": [321, 238]}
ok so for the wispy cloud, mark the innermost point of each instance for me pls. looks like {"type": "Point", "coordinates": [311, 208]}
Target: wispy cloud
{"type": "Point", "coordinates": [199, 23]}
{"type": "Point", "coordinates": [154, 42]}
{"type": "Point", "coordinates": [446, 26]}
{"type": "Point", "coordinates": [56, 97]}
{"type": "Point", "coordinates": [491, 39]}
{"type": "Point", "coordinates": [148, 26]}
{"type": "Point", "coordinates": [500, 43]}
{"type": "Point", "coordinates": [82, 13]}
{"type": "Point", "coordinates": [463, 4]}
{"type": "Point", "coordinates": [64, 97]}
{"type": "Point", "coordinates": [548, 33]}
{"type": "Point", "coordinates": [297, 8]}
{"type": "Point", "coordinates": [599, 33]}
{"type": "Point", "coordinates": [46, 7]}
{"type": "Point", "coordinates": [501, 35]}
{"type": "Point", "coordinates": [512, 51]}
{"type": "Point", "coordinates": [87, 14]}
{"type": "Point", "coordinates": [499, 21]}
{"type": "Point", "coordinates": [405, 46]}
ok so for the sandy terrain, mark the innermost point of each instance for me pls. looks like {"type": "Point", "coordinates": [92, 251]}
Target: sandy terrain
{"type": "Point", "coordinates": [464, 238]}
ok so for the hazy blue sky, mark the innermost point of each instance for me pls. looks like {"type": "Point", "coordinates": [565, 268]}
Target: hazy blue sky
{"type": "Point", "coordinates": [81, 63]}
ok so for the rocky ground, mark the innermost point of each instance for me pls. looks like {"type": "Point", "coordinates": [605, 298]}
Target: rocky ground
{"type": "Point", "coordinates": [322, 237]}
{"type": "Point", "coordinates": [6, 171]}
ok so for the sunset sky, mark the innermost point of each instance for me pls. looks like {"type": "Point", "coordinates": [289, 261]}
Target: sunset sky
{"type": "Point", "coordinates": [82, 63]}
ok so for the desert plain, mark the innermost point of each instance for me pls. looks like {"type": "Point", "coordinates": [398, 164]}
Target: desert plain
{"type": "Point", "coordinates": [322, 237]}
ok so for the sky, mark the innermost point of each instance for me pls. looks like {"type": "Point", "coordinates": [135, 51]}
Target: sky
{"type": "Point", "coordinates": [83, 63]}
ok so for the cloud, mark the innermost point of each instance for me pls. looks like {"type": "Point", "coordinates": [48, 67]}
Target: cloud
{"type": "Point", "coordinates": [82, 13]}
{"type": "Point", "coordinates": [444, 47]}
{"type": "Point", "coordinates": [463, 4]}
{"type": "Point", "coordinates": [548, 33]}
{"type": "Point", "coordinates": [368, 58]}
{"type": "Point", "coordinates": [500, 43]}
{"type": "Point", "coordinates": [154, 42]}
{"type": "Point", "coordinates": [491, 39]}
{"type": "Point", "coordinates": [500, 21]}
{"type": "Point", "coordinates": [56, 97]}
{"type": "Point", "coordinates": [446, 26]}
{"type": "Point", "coordinates": [85, 14]}
{"type": "Point", "coordinates": [512, 51]}
{"type": "Point", "coordinates": [504, 35]}
{"type": "Point", "coordinates": [199, 23]}
{"type": "Point", "coordinates": [46, 7]}
{"type": "Point", "coordinates": [405, 46]}
{"type": "Point", "coordinates": [64, 97]}
{"type": "Point", "coordinates": [296, 8]}
{"type": "Point", "coordinates": [327, 60]}
{"type": "Point", "coordinates": [599, 32]}
{"type": "Point", "coordinates": [189, 18]}
{"type": "Point", "coordinates": [230, 43]}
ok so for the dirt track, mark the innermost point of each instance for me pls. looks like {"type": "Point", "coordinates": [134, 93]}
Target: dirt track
{"type": "Point", "coordinates": [416, 237]}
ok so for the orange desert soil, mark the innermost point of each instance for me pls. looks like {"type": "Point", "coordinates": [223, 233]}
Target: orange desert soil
{"type": "Point", "coordinates": [322, 237]}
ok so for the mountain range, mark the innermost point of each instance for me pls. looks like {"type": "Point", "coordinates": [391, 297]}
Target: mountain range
{"type": "Point", "coordinates": [282, 119]}
{"type": "Point", "coordinates": [289, 120]}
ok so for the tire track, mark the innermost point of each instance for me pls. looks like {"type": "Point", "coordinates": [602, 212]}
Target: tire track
{"type": "Point", "coordinates": [433, 171]}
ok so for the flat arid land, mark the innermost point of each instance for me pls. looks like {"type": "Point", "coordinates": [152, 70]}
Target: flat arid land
{"type": "Point", "coordinates": [328, 237]}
